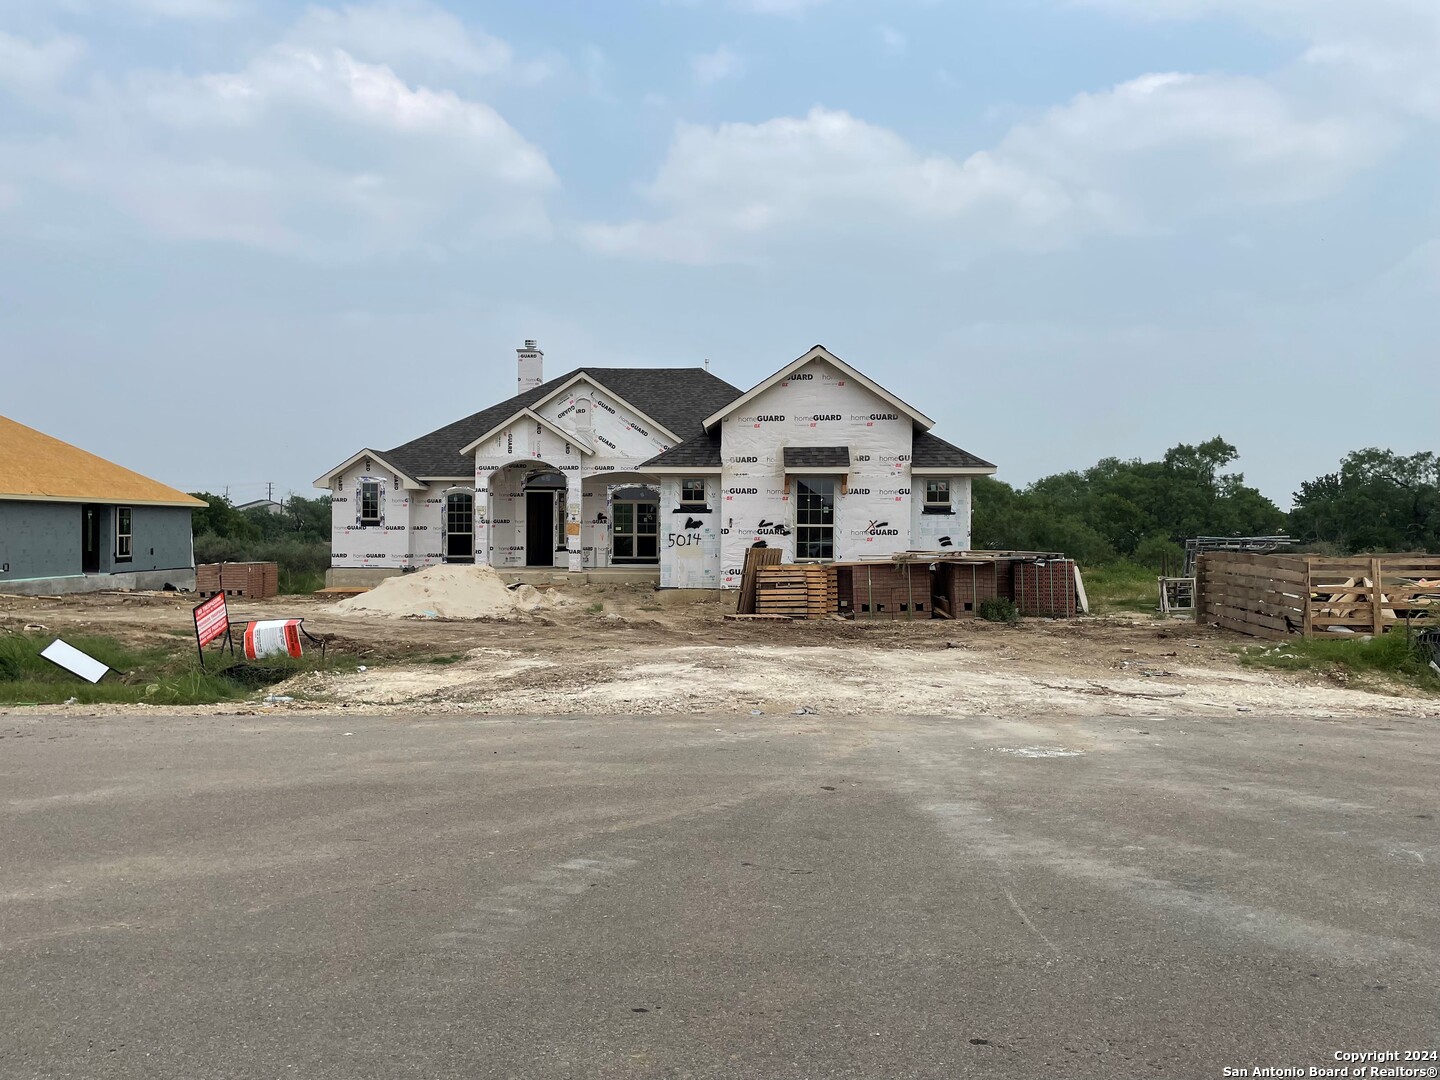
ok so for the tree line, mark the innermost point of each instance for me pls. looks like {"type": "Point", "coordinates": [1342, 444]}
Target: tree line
{"type": "Point", "coordinates": [1144, 510]}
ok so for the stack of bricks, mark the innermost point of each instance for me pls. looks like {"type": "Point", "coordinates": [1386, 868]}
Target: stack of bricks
{"type": "Point", "coordinates": [1046, 588]}
{"type": "Point", "coordinates": [254, 580]}
{"type": "Point", "coordinates": [965, 585]}
{"type": "Point", "coordinates": [884, 590]}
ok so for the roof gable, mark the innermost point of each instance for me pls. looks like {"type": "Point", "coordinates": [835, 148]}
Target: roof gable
{"type": "Point", "coordinates": [34, 465]}
{"type": "Point", "coordinates": [819, 352]}
{"type": "Point", "coordinates": [585, 379]}
{"type": "Point", "coordinates": [533, 417]}
{"type": "Point", "coordinates": [677, 399]}
{"type": "Point", "coordinates": [407, 480]}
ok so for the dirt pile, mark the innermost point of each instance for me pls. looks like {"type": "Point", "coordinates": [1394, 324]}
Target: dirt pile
{"type": "Point", "coordinates": [448, 592]}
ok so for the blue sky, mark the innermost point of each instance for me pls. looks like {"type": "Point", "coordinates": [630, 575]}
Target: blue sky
{"type": "Point", "coordinates": [241, 239]}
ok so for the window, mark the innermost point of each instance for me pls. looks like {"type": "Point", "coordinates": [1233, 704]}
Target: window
{"type": "Point", "coordinates": [815, 517]}
{"type": "Point", "coordinates": [123, 541]}
{"type": "Point", "coordinates": [937, 496]}
{"type": "Point", "coordinates": [370, 502]}
{"type": "Point", "coordinates": [635, 532]}
{"type": "Point", "coordinates": [692, 493]}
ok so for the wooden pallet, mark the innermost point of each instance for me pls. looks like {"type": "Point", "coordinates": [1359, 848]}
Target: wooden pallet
{"type": "Point", "coordinates": [796, 591]}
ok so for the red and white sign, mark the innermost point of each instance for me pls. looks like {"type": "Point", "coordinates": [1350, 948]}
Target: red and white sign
{"type": "Point", "coordinates": [212, 619]}
{"type": "Point", "coordinates": [272, 636]}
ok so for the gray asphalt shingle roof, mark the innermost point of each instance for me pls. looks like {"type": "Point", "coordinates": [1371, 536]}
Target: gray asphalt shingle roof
{"type": "Point", "coordinates": [701, 452]}
{"type": "Point", "coordinates": [932, 452]}
{"type": "Point", "coordinates": [817, 457]}
{"type": "Point", "coordinates": [679, 398]}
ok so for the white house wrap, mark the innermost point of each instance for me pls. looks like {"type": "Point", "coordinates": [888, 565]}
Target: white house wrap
{"type": "Point", "coordinates": [667, 468]}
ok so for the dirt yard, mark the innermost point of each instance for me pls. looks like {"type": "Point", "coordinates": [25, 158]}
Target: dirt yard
{"type": "Point", "coordinates": [630, 649]}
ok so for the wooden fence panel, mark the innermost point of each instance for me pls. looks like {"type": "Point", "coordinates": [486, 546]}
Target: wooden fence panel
{"type": "Point", "coordinates": [1272, 595]}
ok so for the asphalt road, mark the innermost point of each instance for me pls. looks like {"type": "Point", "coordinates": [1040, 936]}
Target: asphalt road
{"type": "Point", "coordinates": [769, 897]}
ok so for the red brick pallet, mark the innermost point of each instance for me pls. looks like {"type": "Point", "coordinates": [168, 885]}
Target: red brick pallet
{"type": "Point", "coordinates": [253, 580]}
{"type": "Point", "coordinates": [885, 590]}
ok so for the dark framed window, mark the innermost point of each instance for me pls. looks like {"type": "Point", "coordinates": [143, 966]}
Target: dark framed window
{"type": "Point", "coordinates": [937, 494]}
{"type": "Point", "coordinates": [814, 517]}
{"type": "Point", "coordinates": [370, 502]}
{"type": "Point", "coordinates": [635, 531]}
{"type": "Point", "coordinates": [692, 491]}
{"type": "Point", "coordinates": [124, 540]}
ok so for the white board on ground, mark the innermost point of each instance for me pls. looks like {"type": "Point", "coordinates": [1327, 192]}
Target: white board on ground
{"type": "Point", "coordinates": [74, 661]}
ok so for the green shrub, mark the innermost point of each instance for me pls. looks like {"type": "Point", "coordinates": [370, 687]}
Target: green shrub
{"type": "Point", "coordinates": [998, 609]}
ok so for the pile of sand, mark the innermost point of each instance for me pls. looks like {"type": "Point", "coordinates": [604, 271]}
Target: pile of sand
{"type": "Point", "coordinates": [448, 592]}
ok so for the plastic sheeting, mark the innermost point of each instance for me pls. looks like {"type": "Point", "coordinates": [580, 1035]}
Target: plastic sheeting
{"type": "Point", "coordinates": [690, 537]}
{"type": "Point", "coordinates": [390, 542]}
{"type": "Point", "coordinates": [618, 441]}
{"type": "Point", "coordinates": [816, 406]}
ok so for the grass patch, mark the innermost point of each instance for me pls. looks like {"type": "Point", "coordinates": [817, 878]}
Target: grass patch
{"type": "Point", "coordinates": [1396, 656]}
{"type": "Point", "coordinates": [454, 658]}
{"type": "Point", "coordinates": [596, 609]}
{"type": "Point", "coordinates": [157, 675]}
{"type": "Point", "coordinates": [1122, 586]}
{"type": "Point", "coordinates": [299, 582]}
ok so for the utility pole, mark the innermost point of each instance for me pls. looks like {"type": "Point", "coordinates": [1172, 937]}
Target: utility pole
{"type": "Point", "coordinates": [270, 491]}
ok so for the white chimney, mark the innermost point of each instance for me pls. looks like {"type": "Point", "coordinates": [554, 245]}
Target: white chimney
{"type": "Point", "coordinates": [530, 365]}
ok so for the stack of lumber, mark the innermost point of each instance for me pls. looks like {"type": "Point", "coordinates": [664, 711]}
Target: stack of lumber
{"type": "Point", "coordinates": [755, 558]}
{"type": "Point", "coordinates": [795, 592]}
{"type": "Point", "coordinates": [255, 580]}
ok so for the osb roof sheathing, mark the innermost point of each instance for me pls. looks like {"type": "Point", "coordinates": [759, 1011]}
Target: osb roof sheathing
{"type": "Point", "coordinates": [35, 466]}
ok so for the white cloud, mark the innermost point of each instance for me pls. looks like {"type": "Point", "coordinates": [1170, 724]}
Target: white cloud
{"type": "Point", "coordinates": [710, 68]}
{"type": "Point", "coordinates": [304, 149]}
{"type": "Point", "coordinates": [892, 41]}
{"type": "Point", "coordinates": [406, 33]}
{"type": "Point", "coordinates": [1387, 51]}
{"type": "Point", "coordinates": [1134, 158]}
{"type": "Point", "coordinates": [779, 7]}
{"type": "Point", "coordinates": [190, 9]}
{"type": "Point", "coordinates": [30, 66]}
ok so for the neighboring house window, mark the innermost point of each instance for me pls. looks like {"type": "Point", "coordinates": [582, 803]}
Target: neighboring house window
{"type": "Point", "coordinates": [370, 503]}
{"type": "Point", "coordinates": [123, 541]}
{"type": "Point", "coordinates": [692, 493]}
{"type": "Point", "coordinates": [937, 494]}
{"type": "Point", "coordinates": [815, 517]}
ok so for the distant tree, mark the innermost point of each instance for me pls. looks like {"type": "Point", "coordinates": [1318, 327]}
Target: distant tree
{"type": "Point", "coordinates": [1377, 501]}
{"type": "Point", "coordinates": [302, 519]}
{"type": "Point", "coordinates": [221, 519]}
{"type": "Point", "coordinates": [1129, 508]}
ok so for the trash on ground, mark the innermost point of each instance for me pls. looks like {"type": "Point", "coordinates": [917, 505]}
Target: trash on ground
{"type": "Point", "coordinates": [74, 661]}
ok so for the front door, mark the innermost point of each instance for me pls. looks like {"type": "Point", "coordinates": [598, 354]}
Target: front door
{"type": "Point", "coordinates": [460, 527]}
{"type": "Point", "coordinates": [539, 528]}
{"type": "Point", "coordinates": [90, 539]}
{"type": "Point", "coordinates": [636, 533]}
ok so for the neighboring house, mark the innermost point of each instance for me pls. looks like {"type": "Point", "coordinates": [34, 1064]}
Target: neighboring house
{"type": "Point", "coordinates": [270, 506]}
{"type": "Point", "coordinates": [74, 522]}
{"type": "Point", "coordinates": [671, 468]}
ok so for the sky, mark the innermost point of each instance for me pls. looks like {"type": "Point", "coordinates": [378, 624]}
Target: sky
{"type": "Point", "coordinates": [240, 240]}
